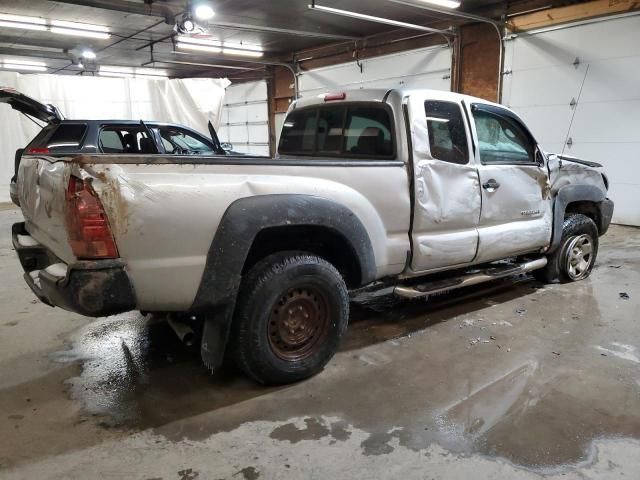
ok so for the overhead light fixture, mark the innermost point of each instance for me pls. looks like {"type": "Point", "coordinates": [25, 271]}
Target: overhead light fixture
{"type": "Point", "coordinates": [54, 26]}
{"type": "Point", "coordinates": [26, 65]}
{"type": "Point", "coordinates": [216, 46]}
{"type": "Point", "coordinates": [203, 11]}
{"type": "Point", "coordinates": [79, 29]}
{"type": "Point", "coordinates": [25, 23]}
{"type": "Point", "coordinates": [443, 3]}
{"type": "Point", "coordinates": [88, 54]}
{"type": "Point", "coordinates": [131, 72]}
{"type": "Point", "coordinates": [371, 18]}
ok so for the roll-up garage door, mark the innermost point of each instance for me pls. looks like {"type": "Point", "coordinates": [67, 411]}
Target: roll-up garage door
{"type": "Point", "coordinates": [578, 88]}
{"type": "Point", "coordinates": [423, 68]}
{"type": "Point", "coordinates": [245, 118]}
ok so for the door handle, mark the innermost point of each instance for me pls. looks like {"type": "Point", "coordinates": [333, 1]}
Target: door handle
{"type": "Point", "coordinates": [491, 185]}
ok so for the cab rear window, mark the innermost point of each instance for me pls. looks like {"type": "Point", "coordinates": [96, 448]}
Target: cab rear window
{"type": "Point", "coordinates": [341, 130]}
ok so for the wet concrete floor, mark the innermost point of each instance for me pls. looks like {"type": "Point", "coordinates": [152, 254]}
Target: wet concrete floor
{"type": "Point", "coordinates": [511, 380]}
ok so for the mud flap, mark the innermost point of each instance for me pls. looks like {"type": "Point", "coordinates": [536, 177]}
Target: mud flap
{"type": "Point", "coordinates": [215, 335]}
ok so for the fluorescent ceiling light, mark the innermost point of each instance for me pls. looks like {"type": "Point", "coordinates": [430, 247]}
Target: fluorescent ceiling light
{"type": "Point", "coordinates": [371, 18]}
{"type": "Point", "coordinates": [200, 48]}
{"type": "Point", "coordinates": [24, 62]}
{"type": "Point", "coordinates": [89, 54]}
{"type": "Point", "coordinates": [23, 22]}
{"type": "Point", "coordinates": [28, 65]}
{"type": "Point", "coordinates": [204, 12]}
{"type": "Point", "coordinates": [80, 33]}
{"type": "Point", "coordinates": [443, 3]}
{"type": "Point", "coordinates": [54, 26]}
{"type": "Point", "coordinates": [243, 53]}
{"type": "Point", "coordinates": [216, 46]}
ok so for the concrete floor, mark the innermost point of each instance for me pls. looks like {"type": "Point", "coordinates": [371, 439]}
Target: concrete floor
{"type": "Point", "coordinates": [515, 380]}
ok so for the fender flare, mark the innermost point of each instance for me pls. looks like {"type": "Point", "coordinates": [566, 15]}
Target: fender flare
{"type": "Point", "coordinates": [246, 217]}
{"type": "Point", "coordinates": [242, 221]}
{"type": "Point", "coordinates": [566, 195]}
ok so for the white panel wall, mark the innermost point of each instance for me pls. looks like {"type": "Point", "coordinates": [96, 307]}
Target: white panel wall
{"type": "Point", "coordinates": [245, 118]}
{"type": "Point", "coordinates": [422, 68]}
{"type": "Point", "coordinates": [597, 65]}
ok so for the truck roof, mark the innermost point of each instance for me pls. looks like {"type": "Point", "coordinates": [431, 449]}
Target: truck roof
{"type": "Point", "coordinates": [381, 94]}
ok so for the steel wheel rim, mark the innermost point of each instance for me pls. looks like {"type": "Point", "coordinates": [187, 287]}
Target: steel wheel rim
{"type": "Point", "coordinates": [579, 256]}
{"type": "Point", "coordinates": [299, 323]}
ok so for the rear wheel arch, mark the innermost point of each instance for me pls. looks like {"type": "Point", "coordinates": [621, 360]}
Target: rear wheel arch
{"type": "Point", "coordinates": [280, 216]}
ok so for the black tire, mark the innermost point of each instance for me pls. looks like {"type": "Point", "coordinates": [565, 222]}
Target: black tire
{"type": "Point", "coordinates": [576, 228]}
{"type": "Point", "coordinates": [291, 314]}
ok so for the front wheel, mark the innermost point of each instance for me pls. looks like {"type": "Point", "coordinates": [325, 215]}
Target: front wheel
{"type": "Point", "coordinates": [576, 256]}
{"type": "Point", "coordinates": [292, 311]}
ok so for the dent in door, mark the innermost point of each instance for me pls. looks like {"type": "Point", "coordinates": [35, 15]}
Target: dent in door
{"type": "Point", "coordinates": [447, 207]}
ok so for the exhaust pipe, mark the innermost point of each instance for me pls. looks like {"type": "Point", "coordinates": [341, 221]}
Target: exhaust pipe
{"type": "Point", "coordinates": [184, 332]}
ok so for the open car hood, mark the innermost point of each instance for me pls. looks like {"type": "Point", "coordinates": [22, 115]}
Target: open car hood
{"type": "Point", "coordinates": [29, 106]}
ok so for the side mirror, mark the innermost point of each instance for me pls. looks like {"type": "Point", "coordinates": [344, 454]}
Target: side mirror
{"type": "Point", "coordinates": [227, 146]}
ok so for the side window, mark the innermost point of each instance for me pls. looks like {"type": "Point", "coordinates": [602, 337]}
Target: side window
{"type": "Point", "coordinates": [447, 132]}
{"type": "Point", "coordinates": [179, 141]}
{"type": "Point", "coordinates": [502, 140]}
{"type": "Point", "coordinates": [67, 138]}
{"type": "Point", "coordinates": [125, 139]}
{"type": "Point", "coordinates": [111, 142]}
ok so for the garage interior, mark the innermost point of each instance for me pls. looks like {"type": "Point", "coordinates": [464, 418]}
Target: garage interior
{"type": "Point", "coordinates": [513, 379]}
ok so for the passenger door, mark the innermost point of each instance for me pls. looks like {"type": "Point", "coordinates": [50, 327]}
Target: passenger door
{"type": "Point", "coordinates": [516, 205]}
{"type": "Point", "coordinates": [446, 188]}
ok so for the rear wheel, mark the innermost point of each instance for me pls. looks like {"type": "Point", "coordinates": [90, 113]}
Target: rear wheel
{"type": "Point", "coordinates": [292, 311]}
{"type": "Point", "coordinates": [576, 256]}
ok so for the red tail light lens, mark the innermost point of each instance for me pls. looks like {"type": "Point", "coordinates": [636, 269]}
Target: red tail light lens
{"type": "Point", "coordinates": [38, 150]}
{"type": "Point", "coordinates": [87, 223]}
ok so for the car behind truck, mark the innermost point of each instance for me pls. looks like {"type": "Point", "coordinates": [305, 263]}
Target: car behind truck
{"type": "Point", "coordinates": [416, 191]}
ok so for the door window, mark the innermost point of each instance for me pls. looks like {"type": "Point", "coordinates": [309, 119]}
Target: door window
{"type": "Point", "coordinates": [178, 141]}
{"type": "Point", "coordinates": [447, 133]}
{"type": "Point", "coordinates": [502, 140]}
{"type": "Point", "coordinates": [125, 139]}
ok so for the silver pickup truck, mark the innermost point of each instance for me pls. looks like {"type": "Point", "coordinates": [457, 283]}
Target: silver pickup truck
{"type": "Point", "coordinates": [413, 191]}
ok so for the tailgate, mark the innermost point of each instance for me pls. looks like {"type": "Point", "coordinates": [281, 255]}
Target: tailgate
{"type": "Point", "coordinates": [42, 185]}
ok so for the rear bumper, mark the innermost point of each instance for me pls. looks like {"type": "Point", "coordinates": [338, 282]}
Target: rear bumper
{"type": "Point", "coordinates": [92, 288]}
{"type": "Point", "coordinates": [606, 213]}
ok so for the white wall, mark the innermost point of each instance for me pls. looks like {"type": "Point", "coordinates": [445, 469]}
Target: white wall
{"type": "Point", "coordinates": [192, 102]}
{"type": "Point", "coordinates": [421, 68]}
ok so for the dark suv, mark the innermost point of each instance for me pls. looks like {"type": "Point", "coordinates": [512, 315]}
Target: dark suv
{"type": "Point", "coordinates": [65, 137]}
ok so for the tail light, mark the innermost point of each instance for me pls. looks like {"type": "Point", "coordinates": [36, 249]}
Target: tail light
{"type": "Point", "coordinates": [37, 150]}
{"type": "Point", "coordinates": [87, 223]}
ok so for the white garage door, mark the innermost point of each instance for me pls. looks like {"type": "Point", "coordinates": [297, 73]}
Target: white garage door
{"type": "Point", "coordinates": [578, 88]}
{"type": "Point", "coordinates": [422, 68]}
{"type": "Point", "coordinates": [245, 118]}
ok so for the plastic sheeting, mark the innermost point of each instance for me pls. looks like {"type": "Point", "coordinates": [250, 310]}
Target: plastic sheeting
{"type": "Point", "coordinates": [192, 102]}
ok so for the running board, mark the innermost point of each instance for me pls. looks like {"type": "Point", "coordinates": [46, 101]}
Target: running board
{"type": "Point", "coordinates": [492, 273]}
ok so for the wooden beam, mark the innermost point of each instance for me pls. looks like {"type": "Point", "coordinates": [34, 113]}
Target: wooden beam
{"type": "Point", "coordinates": [571, 13]}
